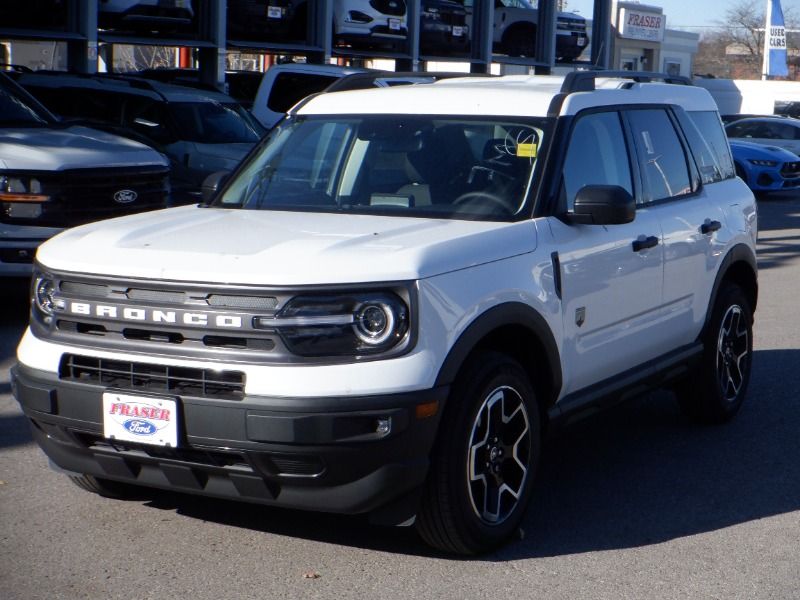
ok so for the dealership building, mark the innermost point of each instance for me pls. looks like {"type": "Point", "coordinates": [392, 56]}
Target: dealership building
{"type": "Point", "coordinates": [640, 40]}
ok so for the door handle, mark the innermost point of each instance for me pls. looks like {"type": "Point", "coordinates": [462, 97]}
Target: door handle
{"type": "Point", "coordinates": [710, 226]}
{"type": "Point", "coordinates": [643, 243]}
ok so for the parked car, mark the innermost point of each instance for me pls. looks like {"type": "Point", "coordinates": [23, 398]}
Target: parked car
{"type": "Point", "coordinates": [515, 29]}
{"type": "Point", "coordinates": [261, 19]}
{"type": "Point", "coordinates": [283, 86]}
{"type": "Point", "coordinates": [55, 175]}
{"type": "Point", "coordinates": [443, 27]}
{"type": "Point", "coordinates": [242, 86]}
{"type": "Point", "coordinates": [163, 15]}
{"type": "Point", "coordinates": [201, 131]}
{"type": "Point", "coordinates": [391, 303]}
{"type": "Point", "coordinates": [369, 23]}
{"type": "Point", "coordinates": [765, 168]}
{"type": "Point", "coordinates": [35, 14]}
{"type": "Point", "coordinates": [773, 131]}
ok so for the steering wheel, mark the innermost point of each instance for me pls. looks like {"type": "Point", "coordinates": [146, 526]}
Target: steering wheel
{"type": "Point", "coordinates": [485, 199]}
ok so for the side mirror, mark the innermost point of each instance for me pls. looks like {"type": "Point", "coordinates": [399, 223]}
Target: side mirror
{"type": "Point", "coordinates": [603, 205]}
{"type": "Point", "coordinates": [212, 183]}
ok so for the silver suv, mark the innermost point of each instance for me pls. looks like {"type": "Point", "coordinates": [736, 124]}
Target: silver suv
{"type": "Point", "coordinates": [55, 175]}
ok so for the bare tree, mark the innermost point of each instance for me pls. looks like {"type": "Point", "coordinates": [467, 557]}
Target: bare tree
{"type": "Point", "coordinates": [135, 58]}
{"type": "Point", "coordinates": [735, 48]}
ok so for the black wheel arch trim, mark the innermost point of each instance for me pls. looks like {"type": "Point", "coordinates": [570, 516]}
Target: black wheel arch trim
{"type": "Point", "coordinates": [502, 315]}
{"type": "Point", "coordinates": [740, 253]}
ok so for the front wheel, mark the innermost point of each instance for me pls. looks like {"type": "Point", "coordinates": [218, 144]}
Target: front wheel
{"type": "Point", "coordinates": [485, 459]}
{"type": "Point", "coordinates": [716, 391]}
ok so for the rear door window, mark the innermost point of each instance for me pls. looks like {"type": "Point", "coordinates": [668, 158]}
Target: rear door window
{"type": "Point", "coordinates": [663, 161]}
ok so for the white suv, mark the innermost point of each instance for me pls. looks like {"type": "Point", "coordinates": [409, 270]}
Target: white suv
{"type": "Point", "coordinates": [367, 22]}
{"type": "Point", "coordinates": [393, 297]}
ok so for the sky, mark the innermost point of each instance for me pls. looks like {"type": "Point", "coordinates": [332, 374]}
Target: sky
{"type": "Point", "coordinates": [689, 15]}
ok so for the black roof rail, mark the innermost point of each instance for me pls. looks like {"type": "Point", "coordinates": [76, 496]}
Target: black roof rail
{"type": "Point", "coordinates": [584, 81]}
{"type": "Point", "coordinates": [360, 81]}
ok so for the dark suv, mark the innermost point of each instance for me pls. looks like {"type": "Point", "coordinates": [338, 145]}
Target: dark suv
{"type": "Point", "coordinates": [200, 131]}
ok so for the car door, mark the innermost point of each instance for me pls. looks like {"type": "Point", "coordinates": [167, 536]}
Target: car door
{"type": "Point", "coordinates": [672, 184]}
{"type": "Point", "coordinates": [611, 276]}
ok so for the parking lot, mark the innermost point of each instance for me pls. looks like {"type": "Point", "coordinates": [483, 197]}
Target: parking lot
{"type": "Point", "coordinates": [635, 503]}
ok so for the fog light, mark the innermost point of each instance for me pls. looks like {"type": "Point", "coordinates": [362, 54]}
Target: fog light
{"type": "Point", "coordinates": [383, 426]}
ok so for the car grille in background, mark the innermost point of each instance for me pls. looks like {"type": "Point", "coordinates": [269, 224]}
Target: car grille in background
{"type": "Point", "coordinates": [84, 195]}
{"type": "Point", "coordinates": [389, 7]}
{"type": "Point", "coordinates": [790, 170]}
{"type": "Point", "coordinates": [135, 376]}
{"type": "Point", "coordinates": [453, 18]}
{"type": "Point", "coordinates": [570, 24]}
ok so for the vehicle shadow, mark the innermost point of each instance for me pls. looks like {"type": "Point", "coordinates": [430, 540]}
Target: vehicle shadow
{"type": "Point", "coordinates": [13, 316]}
{"type": "Point", "coordinates": [778, 221]}
{"type": "Point", "coordinates": [638, 474]}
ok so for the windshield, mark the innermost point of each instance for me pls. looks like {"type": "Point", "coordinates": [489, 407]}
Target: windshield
{"type": "Point", "coordinates": [14, 112]}
{"type": "Point", "coordinates": [475, 168]}
{"type": "Point", "coordinates": [215, 123]}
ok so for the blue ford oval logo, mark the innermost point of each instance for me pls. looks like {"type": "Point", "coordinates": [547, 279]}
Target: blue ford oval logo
{"type": "Point", "coordinates": [139, 427]}
{"type": "Point", "coordinates": [125, 196]}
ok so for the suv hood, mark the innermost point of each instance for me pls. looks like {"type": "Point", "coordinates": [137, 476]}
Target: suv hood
{"type": "Point", "coordinates": [281, 248]}
{"type": "Point", "coordinates": [76, 147]}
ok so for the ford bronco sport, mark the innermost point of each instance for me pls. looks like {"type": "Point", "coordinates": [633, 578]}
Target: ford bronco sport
{"type": "Point", "coordinates": [396, 293]}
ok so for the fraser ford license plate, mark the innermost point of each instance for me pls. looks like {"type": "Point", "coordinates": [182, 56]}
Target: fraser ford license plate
{"type": "Point", "coordinates": [142, 419]}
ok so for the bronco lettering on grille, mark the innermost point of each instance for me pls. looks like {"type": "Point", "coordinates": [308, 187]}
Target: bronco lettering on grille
{"type": "Point", "coordinates": [146, 315]}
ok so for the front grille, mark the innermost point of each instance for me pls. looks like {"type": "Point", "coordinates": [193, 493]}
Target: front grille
{"type": "Point", "coordinates": [458, 19]}
{"type": "Point", "coordinates": [571, 25]}
{"type": "Point", "coordinates": [790, 170]}
{"type": "Point", "coordinates": [389, 7]}
{"type": "Point", "coordinates": [136, 376]}
{"type": "Point", "coordinates": [81, 196]}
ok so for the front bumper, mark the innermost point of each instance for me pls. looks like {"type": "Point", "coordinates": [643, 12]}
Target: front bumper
{"type": "Point", "coordinates": [18, 248]}
{"type": "Point", "coordinates": [771, 179]}
{"type": "Point", "coordinates": [570, 46]}
{"type": "Point", "coordinates": [322, 454]}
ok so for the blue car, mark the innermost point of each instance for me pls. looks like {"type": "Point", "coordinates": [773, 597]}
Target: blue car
{"type": "Point", "coordinates": [765, 168]}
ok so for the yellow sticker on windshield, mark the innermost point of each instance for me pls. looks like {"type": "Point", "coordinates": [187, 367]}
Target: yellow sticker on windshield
{"type": "Point", "coordinates": [527, 150]}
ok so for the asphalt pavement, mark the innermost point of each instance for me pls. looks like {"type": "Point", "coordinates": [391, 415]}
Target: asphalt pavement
{"type": "Point", "coordinates": [634, 503]}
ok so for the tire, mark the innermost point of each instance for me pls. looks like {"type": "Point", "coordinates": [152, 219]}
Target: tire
{"type": "Point", "coordinates": [520, 42]}
{"type": "Point", "coordinates": [482, 469]}
{"type": "Point", "coordinates": [108, 488]}
{"type": "Point", "coordinates": [715, 392]}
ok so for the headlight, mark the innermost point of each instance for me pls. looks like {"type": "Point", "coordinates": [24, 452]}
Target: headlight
{"type": "Point", "coordinates": [762, 163]}
{"type": "Point", "coordinates": [21, 189]}
{"type": "Point", "coordinates": [356, 16]}
{"type": "Point", "coordinates": [44, 289]}
{"type": "Point", "coordinates": [341, 325]}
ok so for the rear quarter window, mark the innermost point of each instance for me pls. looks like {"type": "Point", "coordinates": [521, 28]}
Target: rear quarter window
{"type": "Point", "coordinates": [708, 124]}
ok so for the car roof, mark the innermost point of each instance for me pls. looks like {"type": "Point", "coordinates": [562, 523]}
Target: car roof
{"type": "Point", "coordinates": [129, 85]}
{"type": "Point", "coordinates": [515, 95]}
{"type": "Point", "coordinates": [768, 118]}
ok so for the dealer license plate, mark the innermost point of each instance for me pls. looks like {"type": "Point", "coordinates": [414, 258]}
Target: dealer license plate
{"type": "Point", "coordinates": [142, 419]}
{"type": "Point", "coordinates": [394, 24]}
{"type": "Point", "coordinates": [458, 31]}
{"type": "Point", "coordinates": [581, 41]}
{"type": "Point", "coordinates": [274, 12]}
